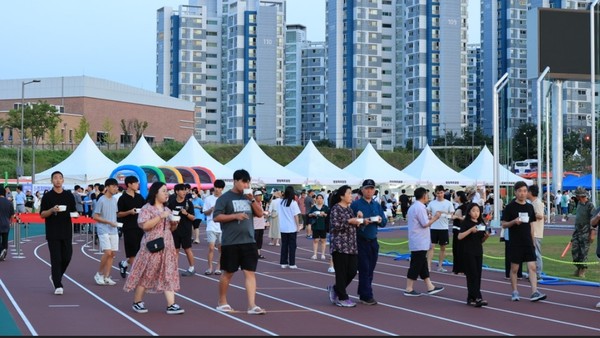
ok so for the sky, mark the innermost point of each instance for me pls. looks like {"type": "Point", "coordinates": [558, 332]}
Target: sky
{"type": "Point", "coordinates": [110, 39]}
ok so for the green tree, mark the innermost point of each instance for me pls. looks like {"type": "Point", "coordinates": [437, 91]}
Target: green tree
{"type": "Point", "coordinates": [139, 127]}
{"type": "Point", "coordinates": [324, 143]}
{"type": "Point", "coordinates": [38, 119]}
{"type": "Point", "coordinates": [54, 137]}
{"type": "Point", "coordinates": [82, 129]}
{"type": "Point", "coordinates": [109, 138]}
{"type": "Point", "coordinates": [126, 127]}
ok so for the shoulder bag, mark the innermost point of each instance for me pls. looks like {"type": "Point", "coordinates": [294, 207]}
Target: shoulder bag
{"type": "Point", "coordinates": [157, 244]}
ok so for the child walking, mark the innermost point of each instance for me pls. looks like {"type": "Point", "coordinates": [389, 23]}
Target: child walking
{"type": "Point", "coordinates": [472, 235]}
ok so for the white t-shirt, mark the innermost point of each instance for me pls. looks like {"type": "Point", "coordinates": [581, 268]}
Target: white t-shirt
{"type": "Point", "coordinates": [446, 207]}
{"type": "Point", "coordinates": [287, 220]}
{"type": "Point", "coordinates": [209, 202]}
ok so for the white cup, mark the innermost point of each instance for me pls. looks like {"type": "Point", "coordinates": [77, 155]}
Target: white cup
{"type": "Point", "coordinates": [174, 218]}
{"type": "Point", "coordinates": [74, 214]}
{"type": "Point", "coordinates": [360, 220]}
{"type": "Point", "coordinates": [481, 227]}
{"type": "Point", "coordinates": [317, 213]}
{"type": "Point", "coordinates": [175, 212]}
{"type": "Point", "coordinates": [119, 225]}
{"type": "Point", "coordinates": [137, 210]}
{"type": "Point", "coordinates": [62, 208]}
{"type": "Point", "coordinates": [247, 191]}
{"type": "Point", "coordinates": [374, 219]}
{"type": "Point", "coordinates": [449, 216]}
{"type": "Point", "coordinates": [524, 219]}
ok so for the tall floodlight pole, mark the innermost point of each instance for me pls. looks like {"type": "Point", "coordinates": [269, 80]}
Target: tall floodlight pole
{"type": "Point", "coordinates": [593, 94]}
{"type": "Point", "coordinates": [21, 168]}
{"type": "Point", "coordinates": [539, 130]}
{"type": "Point", "coordinates": [496, 131]}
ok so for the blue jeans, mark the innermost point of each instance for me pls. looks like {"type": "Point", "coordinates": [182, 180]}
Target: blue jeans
{"type": "Point", "coordinates": [368, 252]}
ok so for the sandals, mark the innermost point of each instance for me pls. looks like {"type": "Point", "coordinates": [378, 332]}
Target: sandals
{"type": "Point", "coordinates": [218, 272]}
{"type": "Point", "coordinates": [225, 308]}
{"type": "Point", "coordinates": [257, 311]}
{"type": "Point", "coordinates": [208, 272]}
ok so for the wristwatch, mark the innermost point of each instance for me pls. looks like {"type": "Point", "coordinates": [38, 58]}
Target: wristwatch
{"type": "Point", "coordinates": [253, 200]}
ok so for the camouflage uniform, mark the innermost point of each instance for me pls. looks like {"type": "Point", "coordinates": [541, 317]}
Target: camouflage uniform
{"type": "Point", "coordinates": [580, 241]}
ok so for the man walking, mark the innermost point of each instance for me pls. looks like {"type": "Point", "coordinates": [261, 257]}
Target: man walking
{"type": "Point", "coordinates": [517, 216]}
{"type": "Point", "coordinates": [538, 227]}
{"type": "Point", "coordinates": [7, 211]}
{"type": "Point", "coordinates": [213, 229]}
{"type": "Point", "coordinates": [235, 210]}
{"type": "Point", "coordinates": [105, 214]}
{"type": "Point", "coordinates": [368, 247]}
{"type": "Point", "coordinates": [55, 208]}
{"type": "Point", "coordinates": [128, 207]}
{"type": "Point", "coordinates": [183, 234]}
{"type": "Point", "coordinates": [439, 228]}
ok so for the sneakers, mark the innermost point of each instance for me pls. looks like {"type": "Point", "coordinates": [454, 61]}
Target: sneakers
{"type": "Point", "coordinates": [598, 305]}
{"type": "Point", "coordinates": [332, 295]}
{"type": "Point", "coordinates": [331, 269]}
{"type": "Point", "coordinates": [109, 281]}
{"type": "Point", "coordinates": [174, 310]}
{"type": "Point", "coordinates": [313, 257]}
{"type": "Point", "coordinates": [345, 303]}
{"type": "Point", "coordinates": [294, 266]}
{"type": "Point", "coordinates": [537, 296]}
{"type": "Point", "coordinates": [187, 273]}
{"type": "Point", "coordinates": [284, 266]}
{"type": "Point", "coordinates": [139, 307]}
{"type": "Point", "coordinates": [58, 291]}
{"type": "Point", "coordinates": [370, 301]}
{"type": "Point", "coordinates": [99, 279]}
{"type": "Point", "coordinates": [435, 290]}
{"type": "Point", "coordinates": [323, 257]}
{"type": "Point", "coordinates": [441, 269]}
{"type": "Point", "coordinates": [515, 296]}
{"type": "Point", "coordinates": [412, 293]}
{"type": "Point", "coordinates": [3, 255]}
{"type": "Point", "coordinates": [122, 269]}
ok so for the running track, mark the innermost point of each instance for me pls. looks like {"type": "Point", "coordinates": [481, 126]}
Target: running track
{"type": "Point", "coordinates": [296, 302]}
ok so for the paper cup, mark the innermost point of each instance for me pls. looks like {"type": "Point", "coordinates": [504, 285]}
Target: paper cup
{"type": "Point", "coordinates": [175, 212]}
{"type": "Point", "coordinates": [119, 225]}
{"type": "Point", "coordinates": [317, 213]}
{"type": "Point", "coordinates": [74, 214]}
{"type": "Point", "coordinates": [175, 218]}
{"type": "Point", "coordinates": [137, 210]}
{"type": "Point", "coordinates": [360, 220]}
{"type": "Point", "coordinates": [62, 208]}
{"type": "Point", "coordinates": [481, 228]}
{"type": "Point", "coordinates": [374, 219]}
{"type": "Point", "coordinates": [524, 219]}
{"type": "Point", "coordinates": [247, 191]}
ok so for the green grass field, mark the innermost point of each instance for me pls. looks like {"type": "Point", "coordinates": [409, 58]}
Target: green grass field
{"type": "Point", "coordinates": [493, 250]}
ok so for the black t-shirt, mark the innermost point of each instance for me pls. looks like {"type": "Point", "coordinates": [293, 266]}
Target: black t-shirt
{"type": "Point", "coordinates": [519, 234]}
{"type": "Point", "coordinates": [404, 201]}
{"type": "Point", "coordinates": [58, 226]}
{"type": "Point", "coordinates": [187, 205]}
{"type": "Point", "coordinates": [472, 244]}
{"type": "Point", "coordinates": [126, 203]}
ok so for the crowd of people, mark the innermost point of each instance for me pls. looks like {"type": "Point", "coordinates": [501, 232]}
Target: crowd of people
{"type": "Point", "coordinates": [345, 219]}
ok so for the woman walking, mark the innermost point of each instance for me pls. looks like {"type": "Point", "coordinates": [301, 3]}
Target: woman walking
{"type": "Point", "coordinates": [289, 223]}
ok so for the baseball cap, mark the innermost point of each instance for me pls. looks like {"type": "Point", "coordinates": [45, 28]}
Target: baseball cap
{"type": "Point", "coordinates": [369, 183]}
{"type": "Point", "coordinates": [257, 192]}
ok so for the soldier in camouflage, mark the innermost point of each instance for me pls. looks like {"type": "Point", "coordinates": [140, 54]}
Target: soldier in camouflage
{"type": "Point", "coordinates": [582, 235]}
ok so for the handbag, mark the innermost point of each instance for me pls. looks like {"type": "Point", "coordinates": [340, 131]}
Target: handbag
{"type": "Point", "coordinates": [156, 245]}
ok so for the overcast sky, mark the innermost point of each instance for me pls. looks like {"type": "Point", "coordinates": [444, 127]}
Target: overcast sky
{"type": "Point", "coordinates": [109, 39]}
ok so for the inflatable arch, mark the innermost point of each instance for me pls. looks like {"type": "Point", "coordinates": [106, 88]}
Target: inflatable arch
{"type": "Point", "coordinates": [206, 177]}
{"type": "Point", "coordinates": [122, 171]}
{"type": "Point", "coordinates": [189, 176]}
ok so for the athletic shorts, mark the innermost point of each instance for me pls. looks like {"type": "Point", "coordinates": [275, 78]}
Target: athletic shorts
{"type": "Point", "coordinates": [519, 254]}
{"type": "Point", "coordinates": [108, 242]}
{"type": "Point", "coordinates": [213, 237]}
{"type": "Point", "coordinates": [236, 256]}
{"type": "Point", "coordinates": [319, 234]}
{"type": "Point", "coordinates": [440, 237]}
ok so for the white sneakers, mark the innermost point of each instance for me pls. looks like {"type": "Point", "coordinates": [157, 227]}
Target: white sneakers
{"type": "Point", "coordinates": [58, 291]}
{"type": "Point", "coordinates": [101, 280]}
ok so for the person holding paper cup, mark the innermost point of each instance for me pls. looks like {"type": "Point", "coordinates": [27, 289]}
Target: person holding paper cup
{"type": "Point", "coordinates": [472, 235]}
{"type": "Point", "coordinates": [368, 246]}
{"type": "Point", "coordinates": [105, 214]}
{"type": "Point", "coordinates": [129, 206]}
{"type": "Point", "coordinates": [516, 217]}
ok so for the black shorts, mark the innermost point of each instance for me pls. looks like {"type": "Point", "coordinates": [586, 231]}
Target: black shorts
{"type": "Point", "coordinates": [131, 241]}
{"type": "Point", "coordinates": [440, 237]}
{"type": "Point", "coordinates": [319, 234]}
{"type": "Point", "coordinates": [182, 236]}
{"type": "Point", "coordinates": [519, 254]}
{"type": "Point", "coordinates": [235, 256]}
{"type": "Point", "coordinates": [197, 223]}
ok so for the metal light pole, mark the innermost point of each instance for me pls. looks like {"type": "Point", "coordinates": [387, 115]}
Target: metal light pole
{"type": "Point", "coordinates": [20, 167]}
{"type": "Point", "coordinates": [526, 145]}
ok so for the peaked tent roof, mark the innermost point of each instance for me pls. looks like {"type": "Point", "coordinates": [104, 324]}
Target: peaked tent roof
{"type": "Point", "coordinates": [261, 167]}
{"type": "Point", "coordinates": [482, 170]}
{"type": "Point", "coordinates": [370, 165]}
{"type": "Point", "coordinates": [428, 168]}
{"type": "Point", "coordinates": [87, 164]}
{"type": "Point", "coordinates": [192, 154]}
{"type": "Point", "coordinates": [311, 164]}
{"type": "Point", "coordinates": [142, 154]}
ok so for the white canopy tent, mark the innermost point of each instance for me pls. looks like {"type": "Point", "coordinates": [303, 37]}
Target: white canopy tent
{"type": "Point", "coordinates": [142, 154]}
{"type": "Point", "coordinates": [316, 169]}
{"type": "Point", "coordinates": [370, 165]}
{"type": "Point", "coordinates": [261, 167]}
{"type": "Point", "coordinates": [482, 171]}
{"type": "Point", "coordinates": [429, 169]}
{"type": "Point", "coordinates": [192, 154]}
{"type": "Point", "coordinates": [86, 165]}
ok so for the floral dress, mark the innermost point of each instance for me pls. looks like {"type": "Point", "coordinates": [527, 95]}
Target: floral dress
{"type": "Point", "coordinates": [156, 272]}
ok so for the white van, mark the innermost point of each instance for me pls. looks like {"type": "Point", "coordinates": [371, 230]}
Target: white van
{"type": "Point", "coordinates": [526, 166]}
